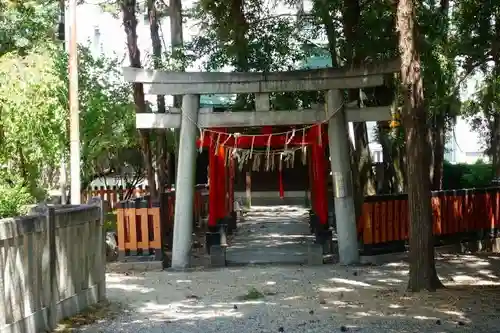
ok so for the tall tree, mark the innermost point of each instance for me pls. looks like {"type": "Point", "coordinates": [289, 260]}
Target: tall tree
{"type": "Point", "coordinates": [423, 274]}
{"type": "Point", "coordinates": [438, 125]}
{"type": "Point", "coordinates": [161, 137]}
{"type": "Point", "coordinates": [177, 55]}
{"type": "Point", "coordinates": [128, 8]}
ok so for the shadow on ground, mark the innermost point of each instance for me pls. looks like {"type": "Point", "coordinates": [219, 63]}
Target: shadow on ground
{"type": "Point", "coordinates": [307, 299]}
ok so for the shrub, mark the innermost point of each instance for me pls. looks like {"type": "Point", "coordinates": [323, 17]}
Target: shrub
{"type": "Point", "coordinates": [13, 198]}
{"type": "Point", "coordinates": [458, 176]}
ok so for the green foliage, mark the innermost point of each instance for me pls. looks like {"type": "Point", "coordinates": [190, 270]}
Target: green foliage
{"type": "Point", "coordinates": [459, 176]}
{"type": "Point", "coordinates": [24, 24]}
{"type": "Point", "coordinates": [251, 295]}
{"type": "Point", "coordinates": [13, 196]}
{"type": "Point", "coordinates": [481, 109]}
{"type": "Point", "coordinates": [475, 42]}
{"type": "Point", "coordinates": [32, 118]}
{"type": "Point", "coordinates": [110, 221]}
{"type": "Point", "coordinates": [107, 115]}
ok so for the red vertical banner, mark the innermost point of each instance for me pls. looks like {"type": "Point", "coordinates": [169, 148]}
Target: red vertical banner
{"type": "Point", "coordinates": [319, 165]}
{"type": "Point", "coordinates": [221, 180]}
{"type": "Point", "coordinates": [311, 180]}
{"type": "Point", "coordinates": [212, 182]}
{"type": "Point", "coordinates": [232, 173]}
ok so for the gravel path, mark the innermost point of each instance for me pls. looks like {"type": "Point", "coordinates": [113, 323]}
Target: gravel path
{"type": "Point", "coordinates": [329, 298]}
{"type": "Point", "coordinates": [271, 235]}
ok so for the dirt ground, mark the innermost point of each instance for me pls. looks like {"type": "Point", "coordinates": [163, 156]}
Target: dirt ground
{"type": "Point", "coordinates": [298, 298]}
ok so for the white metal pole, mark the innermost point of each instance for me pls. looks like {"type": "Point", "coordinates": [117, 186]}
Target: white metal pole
{"type": "Point", "coordinates": [74, 118]}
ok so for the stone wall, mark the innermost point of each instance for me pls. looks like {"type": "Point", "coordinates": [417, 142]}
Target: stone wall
{"type": "Point", "coordinates": [52, 264]}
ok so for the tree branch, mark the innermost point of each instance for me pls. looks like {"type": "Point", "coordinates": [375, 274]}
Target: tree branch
{"type": "Point", "coordinates": [468, 72]}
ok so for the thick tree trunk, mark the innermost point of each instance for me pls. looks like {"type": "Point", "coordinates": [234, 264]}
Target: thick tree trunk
{"type": "Point", "coordinates": [423, 274]}
{"type": "Point", "coordinates": [161, 141]}
{"type": "Point", "coordinates": [130, 26]}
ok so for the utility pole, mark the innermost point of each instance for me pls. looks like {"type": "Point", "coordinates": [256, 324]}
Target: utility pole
{"type": "Point", "coordinates": [61, 35]}
{"type": "Point", "coordinates": [74, 114]}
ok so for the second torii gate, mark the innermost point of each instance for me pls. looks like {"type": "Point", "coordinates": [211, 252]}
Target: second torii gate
{"type": "Point", "coordinates": [192, 85]}
{"type": "Point", "coordinates": [220, 182]}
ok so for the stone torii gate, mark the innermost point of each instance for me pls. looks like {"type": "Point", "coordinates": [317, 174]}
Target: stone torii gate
{"type": "Point", "coordinates": [191, 85]}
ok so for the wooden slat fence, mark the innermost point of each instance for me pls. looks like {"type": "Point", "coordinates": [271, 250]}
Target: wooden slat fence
{"type": "Point", "coordinates": [52, 266]}
{"type": "Point", "coordinates": [145, 226]}
{"type": "Point", "coordinates": [459, 214]}
{"type": "Point", "coordinates": [114, 194]}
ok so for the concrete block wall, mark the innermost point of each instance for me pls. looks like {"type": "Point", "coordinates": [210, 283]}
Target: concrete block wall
{"type": "Point", "coordinates": [52, 266]}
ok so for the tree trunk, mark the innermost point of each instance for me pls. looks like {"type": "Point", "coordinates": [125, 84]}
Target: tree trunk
{"type": "Point", "coordinates": [360, 133]}
{"type": "Point", "coordinates": [161, 141]}
{"type": "Point", "coordinates": [361, 161]}
{"type": "Point", "coordinates": [438, 137]}
{"type": "Point", "coordinates": [423, 274]}
{"type": "Point", "coordinates": [390, 179]}
{"type": "Point", "coordinates": [438, 133]}
{"type": "Point", "coordinates": [327, 21]}
{"type": "Point", "coordinates": [177, 41]}
{"type": "Point", "coordinates": [130, 26]}
{"type": "Point", "coordinates": [239, 33]}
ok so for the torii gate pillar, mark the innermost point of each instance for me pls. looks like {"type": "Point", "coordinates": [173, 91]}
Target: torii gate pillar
{"type": "Point", "coordinates": [345, 214]}
{"type": "Point", "coordinates": [184, 185]}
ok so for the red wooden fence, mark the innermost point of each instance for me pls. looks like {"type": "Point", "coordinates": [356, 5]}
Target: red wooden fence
{"type": "Point", "coordinates": [114, 194]}
{"type": "Point", "coordinates": [384, 218]}
{"type": "Point", "coordinates": [145, 227]}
